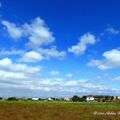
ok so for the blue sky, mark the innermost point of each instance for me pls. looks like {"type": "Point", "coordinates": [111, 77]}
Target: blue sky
{"type": "Point", "coordinates": [59, 48]}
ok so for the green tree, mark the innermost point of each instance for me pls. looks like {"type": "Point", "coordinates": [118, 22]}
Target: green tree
{"type": "Point", "coordinates": [75, 98]}
{"type": "Point", "coordinates": [12, 99]}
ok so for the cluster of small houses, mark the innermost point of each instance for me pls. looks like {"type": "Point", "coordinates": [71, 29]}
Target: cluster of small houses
{"type": "Point", "coordinates": [87, 98]}
{"type": "Point", "coordinates": [101, 98]}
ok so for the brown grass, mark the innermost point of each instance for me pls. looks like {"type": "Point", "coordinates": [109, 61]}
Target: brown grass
{"type": "Point", "coordinates": [56, 111]}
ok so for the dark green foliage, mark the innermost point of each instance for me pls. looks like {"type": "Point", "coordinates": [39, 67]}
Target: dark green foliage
{"type": "Point", "coordinates": [1, 98]}
{"type": "Point", "coordinates": [12, 99]}
{"type": "Point", "coordinates": [77, 99]}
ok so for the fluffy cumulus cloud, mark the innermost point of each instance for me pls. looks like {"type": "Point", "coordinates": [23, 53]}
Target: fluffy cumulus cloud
{"type": "Point", "coordinates": [85, 40]}
{"type": "Point", "coordinates": [7, 64]}
{"type": "Point", "coordinates": [16, 75]}
{"type": "Point", "coordinates": [36, 32]}
{"type": "Point", "coordinates": [14, 31]}
{"type": "Point", "coordinates": [6, 75]}
{"type": "Point", "coordinates": [52, 53]}
{"type": "Point", "coordinates": [40, 54]}
{"type": "Point", "coordinates": [31, 56]}
{"type": "Point", "coordinates": [111, 60]}
{"type": "Point", "coordinates": [35, 56]}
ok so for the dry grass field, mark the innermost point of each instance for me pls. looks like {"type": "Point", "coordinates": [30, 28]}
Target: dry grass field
{"type": "Point", "coordinates": [30, 110]}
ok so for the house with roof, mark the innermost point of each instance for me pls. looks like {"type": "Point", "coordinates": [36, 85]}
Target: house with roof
{"type": "Point", "coordinates": [35, 99]}
{"type": "Point", "coordinates": [90, 98]}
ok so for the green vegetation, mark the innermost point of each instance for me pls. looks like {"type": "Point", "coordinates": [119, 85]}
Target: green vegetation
{"type": "Point", "coordinates": [12, 99]}
{"type": "Point", "coordinates": [57, 110]}
{"type": "Point", "coordinates": [77, 99]}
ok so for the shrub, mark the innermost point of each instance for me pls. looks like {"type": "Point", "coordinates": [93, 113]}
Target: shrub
{"type": "Point", "coordinates": [12, 99]}
{"type": "Point", "coordinates": [76, 98]}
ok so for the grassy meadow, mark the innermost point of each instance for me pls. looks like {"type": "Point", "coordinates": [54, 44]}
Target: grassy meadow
{"type": "Point", "coordinates": [43, 110]}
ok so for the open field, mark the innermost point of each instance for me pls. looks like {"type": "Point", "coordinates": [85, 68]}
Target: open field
{"type": "Point", "coordinates": [33, 110]}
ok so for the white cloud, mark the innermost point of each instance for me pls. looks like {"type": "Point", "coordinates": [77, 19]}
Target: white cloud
{"type": "Point", "coordinates": [49, 84]}
{"type": "Point", "coordinates": [19, 79]}
{"type": "Point", "coordinates": [7, 64]}
{"type": "Point", "coordinates": [112, 31]}
{"type": "Point", "coordinates": [69, 75]}
{"type": "Point", "coordinates": [21, 76]}
{"type": "Point", "coordinates": [71, 83]}
{"type": "Point", "coordinates": [12, 75]}
{"type": "Point", "coordinates": [14, 31]}
{"type": "Point", "coordinates": [52, 53]}
{"type": "Point", "coordinates": [41, 54]}
{"type": "Point", "coordinates": [31, 56]}
{"type": "Point", "coordinates": [54, 72]}
{"type": "Point", "coordinates": [73, 86]}
{"type": "Point", "coordinates": [111, 60]}
{"type": "Point", "coordinates": [11, 52]}
{"type": "Point", "coordinates": [85, 40]}
{"type": "Point", "coordinates": [35, 56]}
{"type": "Point", "coordinates": [37, 32]}
{"type": "Point", "coordinates": [16, 75]}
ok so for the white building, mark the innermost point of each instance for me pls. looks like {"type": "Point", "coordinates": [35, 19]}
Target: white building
{"type": "Point", "coordinates": [50, 99]}
{"type": "Point", "coordinates": [90, 98]}
{"type": "Point", "coordinates": [35, 98]}
{"type": "Point", "coordinates": [67, 99]}
{"type": "Point", "coordinates": [118, 97]}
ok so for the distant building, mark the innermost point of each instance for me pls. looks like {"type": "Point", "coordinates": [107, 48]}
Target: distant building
{"type": "Point", "coordinates": [35, 99]}
{"type": "Point", "coordinates": [118, 97]}
{"type": "Point", "coordinates": [67, 99]}
{"type": "Point", "coordinates": [50, 99]}
{"type": "Point", "coordinates": [90, 98]}
{"type": "Point", "coordinates": [99, 98]}
{"type": "Point", "coordinates": [115, 97]}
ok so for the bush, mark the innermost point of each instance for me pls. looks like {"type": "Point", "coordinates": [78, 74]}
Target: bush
{"type": "Point", "coordinates": [77, 99]}
{"type": "Point", "coordinates": [1, 98]}
{"type": "Point", "coordinates": [12, 99]}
